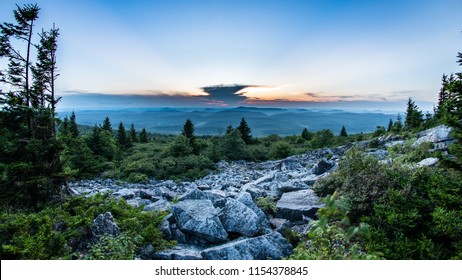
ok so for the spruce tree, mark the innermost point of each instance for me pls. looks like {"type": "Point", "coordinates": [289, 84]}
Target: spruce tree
{"type": "Point", "coordinates": [144, 136]}
{"type": "Point", "coordinates": [73, 129]}
{"type": "Point", "coordinates": [414, 116]}
{"type": "Point", "coordinates": [133, 137]}
{"type": "Point", "coordinates": [343, 132]}
{"type": "Point", "coordinates": [122, 139]}
{"type": "Point", "coordinates": [229, 130]}
{"type": "Point", "coordinates": [398, 125]}
{"type": "Point", "coordinates": [306, 134]}
{"type": "Point", "coordinates": [245, 131]}
{"type": "Point", "coordinates": [188, 132]}
{"type": "Point", "coordinates": [390, 126]}
{"type": "Point", "coordinates": [31, 163]}
{"type": "Point", "coordinates": [107, 125]}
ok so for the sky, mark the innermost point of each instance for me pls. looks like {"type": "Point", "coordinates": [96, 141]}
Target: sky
{"type": "Point", "coordinates": [288, 53]}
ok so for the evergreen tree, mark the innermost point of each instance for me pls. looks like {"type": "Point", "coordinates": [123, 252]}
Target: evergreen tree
{"type": "Point", "coordinates": [64, 128]}
{"type": "Point", "coordinates": [229, 130]}
{"type": "Point", "coordinates": [452, 113]}
{"type": "Point", "coordinates": [107, 125]}
{"type": "Point", "coordinates": [390, 126]}
{"type": "Point", "coordinates": [443, 95]}
{"type": "Point", "coordinates": [122, 139]}
{"type": "Point", "coordinates": [306, 134]}
{"type": "Point", "coordinates": [102, 143]}
{"type": "Point", "coordinates": [45, 73]}
{"type": "Point", "coordinates": [181, 147]}
{"type": "Point", "coordinates": [398, 126]}
{"type": "Point", "coordinates": [245, 131]}
{"type": "Point", "coordinates": [18, 73]}
{"type": "Point", "coordinates": [414, 116]}
{"type": "Point", "coordinates": [73, 129]}
{"type": "Point", "coordinates": [133, 137]}
{"type": "Point", "coordinates": [188, 132]}
{"type": "Point", "coordinates": [343, 132]}
{"type": "Point", "coordinates": [30, 160]}
{"type": "Point", "coordinates": [144, 136]}
{"type": "Point", "coordinates": [234, 147]}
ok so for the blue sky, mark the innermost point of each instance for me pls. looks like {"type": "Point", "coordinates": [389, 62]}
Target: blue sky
{"type": "Point", "coordinates": [294, 51]}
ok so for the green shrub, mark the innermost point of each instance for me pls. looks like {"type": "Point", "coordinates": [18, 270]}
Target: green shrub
{"type": "Point", "coordinates": [281, 149]}
{"type": "Point", "coordinates": [361, 179]}
{"type": "Point", "coordinates": [267, 205]}
{"type": "Point", "coordinates": [332, 237]}
{"type": "Point", "coordinates": [109, 247]}
{"type": "Point", "coordinates": [62, 231]}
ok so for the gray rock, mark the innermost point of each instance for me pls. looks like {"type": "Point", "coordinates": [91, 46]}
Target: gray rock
{"type": "Point", "coordinates": [436, 134]}
{"type": "Point", "coordinates": [246, 199]}
{"type": "Point", "coordinates": [253, 190]}
{"type": "Point", "coordinates": [104, 224]}
{"type": "Point", "coordinates": [322, 167]}
{"type": "Point", "coordinates": [180, 252]}
{"type": "Point", "coordinates": [280, 225]}
{"type": "Point", "coordinates": [270, 246]}
{"type": "Point", "coordinates": [378, 153]}
{"type": "Point", "coordinates": [294, 206]}
{"type": "Point", "coordinates": [137, 202]}
{"type": "Point", "coordinates": [164, 227]}
{"type": "Point", "coordinates": [428, 162]}
{"type": "Point", "coordinates": [238, 218]}
{"type": "Point", "coordinates": [160, 205]}
{"type": "Point", "coordinates": [292, 185]}
{"type": "Point", "coordinates": [199, 218]}
{"type": "Point", "coordinates": [192, 194]}
{"type": "Point", "coordinates": [124, 193]}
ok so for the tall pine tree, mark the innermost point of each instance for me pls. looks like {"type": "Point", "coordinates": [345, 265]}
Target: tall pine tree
{"type": "Point", "coordinates": [188, 132]}
{"type": "Point", "coordinates": [144, 136]}
{"type": "Point", "coordinates": [414, 116]}
{"type": "Point", "coordinates": [107, 125]}
{"type": "Point", "coordinates": [30, 162]}
{"type": "Point", "coordinates": [245, 131]}
{"type": "Point", "coordinates": [343, 132]}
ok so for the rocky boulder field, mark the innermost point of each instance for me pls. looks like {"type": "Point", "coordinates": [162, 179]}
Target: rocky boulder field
{"type": "Point", "coordinates": [217, 217]}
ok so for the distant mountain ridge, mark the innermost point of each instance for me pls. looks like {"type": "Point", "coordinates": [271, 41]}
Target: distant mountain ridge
{"type": "Point", "coordinates": [213, 121]}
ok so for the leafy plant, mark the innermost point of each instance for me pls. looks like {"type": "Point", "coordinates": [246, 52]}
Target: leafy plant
{"type": "Point", "coordinates": [267, 204]}
{"type": "Point", "coordinates": [332, 236]}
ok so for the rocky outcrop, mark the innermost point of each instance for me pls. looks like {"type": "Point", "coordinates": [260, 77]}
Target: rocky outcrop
{"type": "Point", "coordinates": [270, 246]}
{"type": "Point", "coordinates": [104, 224]}
{"type": "Point", "coordinates": [434, 135]}
{"type": "Point", "coordinates": [238, 218]}
{"type": "Point", "coordinates": [199, 218]}
{"type": "Point", "coordinates": [294, 206]}
{"type": "Point", "coordinates": [216, 217]}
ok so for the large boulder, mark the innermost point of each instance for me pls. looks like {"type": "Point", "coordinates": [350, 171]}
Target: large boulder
{"type": "Point", "coordinates": [270, 246]}
{"type": "Point", "coordinates": [322, 167]}
{"type": "Point", "coordinates": [428, 162]}
{"type": "Point", "coordinates": [238, 218]}
{"type": "Point", "coordinates": [436, 134]}
{"type": "Point", "coordinates": [294, 206]}
{"type": "Point", "coordinates": [199, 218]}
{"type": "Point", "coordinates": [246, 199]}
{"type": "Point", "coordinates": [104, 224]}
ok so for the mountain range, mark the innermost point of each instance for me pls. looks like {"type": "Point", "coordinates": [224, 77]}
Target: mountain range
{"type": "Point", "coordinates": [213, 121]}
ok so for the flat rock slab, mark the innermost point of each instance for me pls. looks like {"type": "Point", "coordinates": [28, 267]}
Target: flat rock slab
{"type": "Point", "coordinates": [180, 252]}
{"type": "Point", "coordinates": [271, 246]}
{"type": "Point", "coordinates": [294, 205]}
{"type": "Point", "coordinates": [199, 218]}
